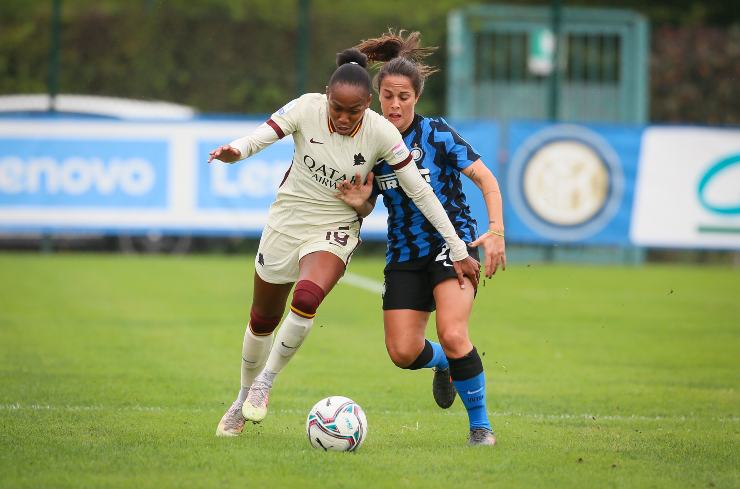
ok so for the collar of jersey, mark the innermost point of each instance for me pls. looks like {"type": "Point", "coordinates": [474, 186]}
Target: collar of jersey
{"type": "Point", "coordinates": [412, 126]}
{"type": "Point", "coordinates": [352, 134]}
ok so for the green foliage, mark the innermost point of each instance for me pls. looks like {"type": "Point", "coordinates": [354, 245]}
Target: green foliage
{"type": "Point", "coordinates": [239, 56]}
{"type": "Point", "coordinates": [115, 371]}
{"type": "Point", "coordinates": [694, 75]}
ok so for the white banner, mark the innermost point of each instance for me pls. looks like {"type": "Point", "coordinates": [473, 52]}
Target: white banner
{"type": "Point", "coordinates": [688, 188]}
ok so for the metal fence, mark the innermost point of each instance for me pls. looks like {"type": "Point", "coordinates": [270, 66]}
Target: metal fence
{"type": "Point", "coordinates": [570, 64]}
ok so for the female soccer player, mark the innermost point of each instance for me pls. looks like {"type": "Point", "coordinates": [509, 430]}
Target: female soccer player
{"type": "Point", "coordinates": [418, 272]}
{"type": "Point", "coordinates": [310, 234]}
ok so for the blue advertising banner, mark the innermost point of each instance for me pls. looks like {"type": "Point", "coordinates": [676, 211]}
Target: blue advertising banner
{"type": "Point", "coordinates": [79, 172]}
{"type": "Point", "coordinates": [570, 183]}
{"type": "Point", "coordinates": [561, 183]}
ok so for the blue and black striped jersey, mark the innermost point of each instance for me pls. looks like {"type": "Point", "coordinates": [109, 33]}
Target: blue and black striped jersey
{"type": "Point", "coordinates": [440, 154]}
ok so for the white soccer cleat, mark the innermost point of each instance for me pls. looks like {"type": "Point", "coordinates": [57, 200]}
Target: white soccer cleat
{"type": "Point", "coordinates": [232, 422]}
{"type": "Point", "coordinates": [255, 407]}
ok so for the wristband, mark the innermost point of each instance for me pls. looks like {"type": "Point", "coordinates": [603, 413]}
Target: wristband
{"type": "Point", "coordinates": [495, 233]}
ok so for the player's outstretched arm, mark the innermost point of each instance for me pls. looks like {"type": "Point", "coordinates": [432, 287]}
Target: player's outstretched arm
{"type": "Point", "coordinates": [275, 128]}
{"type": "Point", "coordinates": [225, 153]}
{"type": "Point", "coordinates": [492, 241]}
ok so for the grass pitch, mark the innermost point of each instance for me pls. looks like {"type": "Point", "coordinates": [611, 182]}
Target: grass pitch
{"type": "Point", "coordinates": [114, 372]}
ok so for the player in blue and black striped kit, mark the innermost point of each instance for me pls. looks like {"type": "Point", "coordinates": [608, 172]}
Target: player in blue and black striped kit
{"type": "Point", "coordinates": [441, 155]}
{"type": "Point", "coordinates": [419, 275]}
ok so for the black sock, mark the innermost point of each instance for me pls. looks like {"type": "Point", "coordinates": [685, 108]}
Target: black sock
{"type": "Point", "coordinates": [426, 355]}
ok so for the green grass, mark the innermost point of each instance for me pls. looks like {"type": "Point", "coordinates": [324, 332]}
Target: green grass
{"type": "Point", "coordinates": [114, 372]}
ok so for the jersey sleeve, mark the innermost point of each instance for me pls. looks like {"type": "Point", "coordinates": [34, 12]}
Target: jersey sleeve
{"type": "Point", "coordinates": [287, 119]}
{"type": "Point", "coordinates": [391, 147]}
{"type": "Point", "coordinates": [460, 154]}
{"type": "Point", "coordinates": [283, 122]}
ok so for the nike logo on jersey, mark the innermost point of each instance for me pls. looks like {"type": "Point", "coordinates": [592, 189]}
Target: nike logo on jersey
{"type": "Point", "coordinates": [475, 391]}
{"type": "Point", "coordinates": [315, 142]}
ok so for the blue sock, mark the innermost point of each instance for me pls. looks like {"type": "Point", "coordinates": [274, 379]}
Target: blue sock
{"type": "Point", "coordinates": [470, 383]}
{"type": "Point", "coordinates": [439, 360]}
{"type": "Point", "coordinates": [472, 391]}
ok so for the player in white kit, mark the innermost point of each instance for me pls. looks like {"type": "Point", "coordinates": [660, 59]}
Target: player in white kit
{"type": "Point", "coordinates": [311, 234]}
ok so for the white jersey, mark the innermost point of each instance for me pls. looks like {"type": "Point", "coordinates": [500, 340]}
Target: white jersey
{"type": "Point", "coordinates": [306, 200]}
{"type": "Point", "coordinates": [322, 159]}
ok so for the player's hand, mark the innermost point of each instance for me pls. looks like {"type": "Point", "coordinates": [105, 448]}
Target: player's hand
{"type": "Point", "coordinates": [355, 193]}
{"type": "Point", "coordinates": [494, 252]}
{"type": "Point", "coordinates": [225, 153]}
{"type": "Point", "coordinates": [469, 267]}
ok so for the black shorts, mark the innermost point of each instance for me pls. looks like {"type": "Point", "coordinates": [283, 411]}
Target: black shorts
{"type": "Point", "coordinates": [410, 285]}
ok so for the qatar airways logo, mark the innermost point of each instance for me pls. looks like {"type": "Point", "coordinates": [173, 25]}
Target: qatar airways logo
{"type": "Point", "coordinates": [325, 175]}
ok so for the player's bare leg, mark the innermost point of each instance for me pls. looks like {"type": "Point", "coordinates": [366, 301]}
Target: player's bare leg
{"type": "Point", "coordinates": [319, 272]}
{"type": "Point", "coordinates": [405, 342]}
{"type": "Point", "coordinates": [454, 306]}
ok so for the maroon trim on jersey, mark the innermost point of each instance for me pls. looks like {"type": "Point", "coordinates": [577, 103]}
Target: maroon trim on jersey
{"type": "Point", "coordinates": [405, 162]}
{"type": "Point", "coordinates": [285, 177]}
{"type": "Point", "coordinates": [332, 129]}
{"type": "Point", "coordinates": [276, 128]}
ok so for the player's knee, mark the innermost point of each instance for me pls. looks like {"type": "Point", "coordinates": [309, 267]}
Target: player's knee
{"type": "Point", "coordinates": [401, 355]}
{"type": "Point", "coordinates": [262, 325]}
{"type": "Point", "coordinates": [306, 298]}
{"type": "Point", "coordinates": [453, 339]}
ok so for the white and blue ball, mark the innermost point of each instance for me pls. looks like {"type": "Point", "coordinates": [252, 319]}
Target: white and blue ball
{"type": "Point", "coordinates": [336, 423]}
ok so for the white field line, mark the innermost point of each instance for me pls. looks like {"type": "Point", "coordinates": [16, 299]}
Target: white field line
{"type": "Point", "coordinates": [361, 282]}
{"type": "Point", "coordinates": [494, 414]}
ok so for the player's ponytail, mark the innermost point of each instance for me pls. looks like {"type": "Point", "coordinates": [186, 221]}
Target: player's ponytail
{"type": "Point", "coordinates": [401, 55]}
{"type": "Point", "coordinates": [351, 69]}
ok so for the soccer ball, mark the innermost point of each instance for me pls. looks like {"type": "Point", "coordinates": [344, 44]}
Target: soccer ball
{"type": "Point", "coordinates": [336, 423]}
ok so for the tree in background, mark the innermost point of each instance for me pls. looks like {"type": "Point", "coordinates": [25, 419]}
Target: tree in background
{"type": "Point", "coordinates": [238, 56]}
{"type": "Point", "coordinates": [695, 75]}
